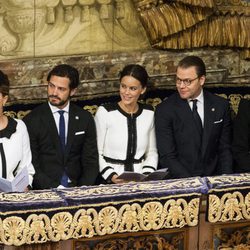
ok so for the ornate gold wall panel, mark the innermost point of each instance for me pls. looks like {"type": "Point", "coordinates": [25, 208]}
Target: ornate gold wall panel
{"type": "Point", "coordinates": [185, 24]}
{"type": "Point", "coordinates": [67, 27]}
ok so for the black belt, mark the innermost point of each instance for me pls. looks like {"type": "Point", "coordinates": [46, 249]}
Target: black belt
{"type": "Point", "coordinates": [123, 162]}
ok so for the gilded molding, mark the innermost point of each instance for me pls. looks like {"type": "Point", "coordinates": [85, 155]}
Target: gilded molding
{"type": "Point", "coordinates": [40, 228]}
{"type": "Point", "coordinates": [85, 212]}
{"type": "Point", "coordinates": [230, 207]}
{"type": "Point", "coordinates": [229, 198]}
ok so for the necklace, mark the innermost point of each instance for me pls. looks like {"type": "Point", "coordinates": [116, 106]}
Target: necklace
{"type": "Point", "coordinates": [124, 108]}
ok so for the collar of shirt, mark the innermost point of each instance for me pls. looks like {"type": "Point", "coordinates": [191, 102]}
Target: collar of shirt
{"type": "Point", "coordinates": [54, 109]}
{"type": "Point", "coordinates": [199, 98]}
{"type": "Point", "coordinates": [56, 116]}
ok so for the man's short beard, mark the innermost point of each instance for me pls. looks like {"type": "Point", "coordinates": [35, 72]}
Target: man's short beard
{"type": "Point", "coordinates": [61, 103]}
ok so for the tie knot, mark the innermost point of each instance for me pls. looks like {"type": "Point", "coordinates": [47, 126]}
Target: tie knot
{"type": "Point", "coordinates": [194, 104]}
{"type": "Point", "coordinates": [61, 112]}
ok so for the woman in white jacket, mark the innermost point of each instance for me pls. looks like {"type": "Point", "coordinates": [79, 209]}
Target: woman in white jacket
{"type": "Point", "coordinates": [15, 151]}
{"type": "Point", "coordinates": [125, 130]}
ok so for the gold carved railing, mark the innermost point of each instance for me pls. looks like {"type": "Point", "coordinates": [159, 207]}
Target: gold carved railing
{"type": "Point", "coordinates": [134, 213]}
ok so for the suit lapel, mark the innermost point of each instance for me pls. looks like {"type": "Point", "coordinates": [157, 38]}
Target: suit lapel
{"type": "Point", "coordinates": [72, 125]}
{"type": "Point", "coordinates": [49, 122]}
{"type": "Point", "coordinates": [185, 113]}
{"type": "Point", "coordinates": [209, 113]}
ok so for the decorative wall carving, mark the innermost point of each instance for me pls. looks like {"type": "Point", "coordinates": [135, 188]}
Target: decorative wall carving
{"type": "Point", "coordinates": [66, 27]}
{"type": "Point", "coordinates": [108, 35]}
{"type": "Point", "coordinates": [185, 24]}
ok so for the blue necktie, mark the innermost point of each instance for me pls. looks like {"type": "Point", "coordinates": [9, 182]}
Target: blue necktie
{"type": "Point", "coordinates": [62, 129]}
{"type": "Point", "coordinates": [64, 180]}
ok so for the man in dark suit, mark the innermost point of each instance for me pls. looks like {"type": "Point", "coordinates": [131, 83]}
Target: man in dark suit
{"type": "Point", "coordinates": [193, 126]}
{"type": "Point", "coordinates": [241, 138]}
{"type": "Point", "coordinates": [62, 135]}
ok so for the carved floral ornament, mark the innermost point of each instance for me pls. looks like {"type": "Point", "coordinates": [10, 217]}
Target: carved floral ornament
{"type": "Point", "coordinates": [226, 202]}
{"type": "Point", "coordinates": [40, 228]}
{"type": "Point", "coordinates": [184, 24]}
{"type": "Point", "coordinates": [232, 206]}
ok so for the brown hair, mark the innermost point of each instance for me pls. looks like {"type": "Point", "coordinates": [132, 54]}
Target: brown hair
{"type": "Point", "coordinates": [137, 71]}
{"type": "Point", "coordinates": [65, 70]}
{"type": "Point", "coordinates": [195, 61]}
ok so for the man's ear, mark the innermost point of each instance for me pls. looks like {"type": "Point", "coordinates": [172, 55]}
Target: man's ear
{"type": "Point", "coordinates": [72, 92]}
{"type": "Point", "coordinates": [202, 80]}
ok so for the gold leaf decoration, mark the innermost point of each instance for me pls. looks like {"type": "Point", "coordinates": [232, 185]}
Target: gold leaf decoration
{"type": "Point", "coordinates": [153, 215]}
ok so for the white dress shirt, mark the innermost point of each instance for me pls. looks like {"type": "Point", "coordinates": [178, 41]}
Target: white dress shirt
{"type": "Point", "coordinates": [56, 116]}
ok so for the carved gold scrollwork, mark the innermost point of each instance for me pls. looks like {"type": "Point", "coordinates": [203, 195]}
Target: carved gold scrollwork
{"type": "Point", "coordinates": [152, 216]}
{"type": "Point", "coordinates": [84, 224]}
{"type": "Point", "coordinates": [14, 231]}
{"type": "Point", "coordinates": [234, 100]}
{"type": "Point", "coordinates": [38, 226]}
{"type": "Point", "coordinates": [128, 218]}
{"type": "Point", "coordinates": [61, 226]}
{"type": "Point", "coordinates": [237, 239]}
{"type": "Point", "coordinates": [108, 221]}
{"type": "Point", "coordinates": [214, 208]}
{"type": "Point", "coordinates": [137, 243]}
{"type": "Point", "coordinates": [90, 222]}
{"type": "Point", "coordinates": [230, 207]}
{"type": "Point", "coordinates": [246, 208]}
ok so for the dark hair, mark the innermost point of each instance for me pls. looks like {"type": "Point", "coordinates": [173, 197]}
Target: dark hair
{"type": "Point", "coordinates": [65, 70]}
{"type": "Point", "coordinates": [137, 71]}
{"type": "Point", "coordinates": [195, 61]}
{"type": "Point", "coordinates": [4, 84]}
